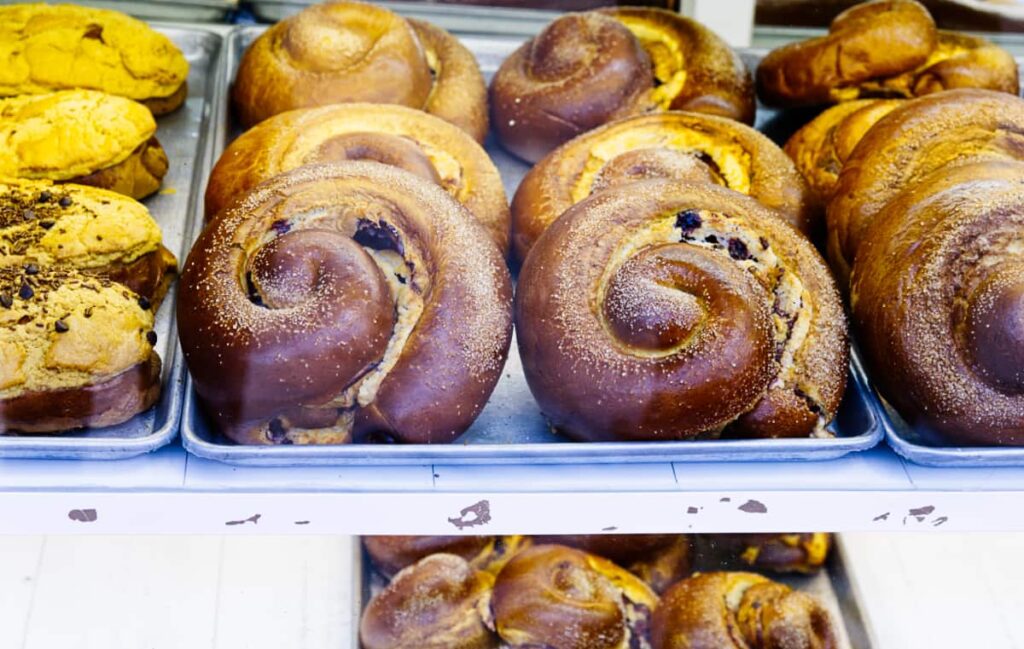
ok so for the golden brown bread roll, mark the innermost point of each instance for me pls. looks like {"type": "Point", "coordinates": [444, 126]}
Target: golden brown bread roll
{"type": "Point", "coordinates": [395, 135]}
{"type": "Point", "coordinates": [782, 553]}
{"type": "Point", "coordinates": [342, 52]}
{"type": "Point", "coordinates": [75, 350]}
{"type": "Point", "coordinates": [659, 560]}
{"type": "Point", "coordinates": [558, 597]}
{"type": "Point", "coordinates": [586, 69]}
{"type": "Point", "coordinates": [885, 48]}
{"type": "Point", "coordinates": [84, 137]}
{"type": "Point", "coordinates": [436, 603]}
{"type": "Point", "coordinates": [938, 300]}
{"type": "Point", "coordinates": [912, 141]}
{"type": "Point", "coordinates": [665, 311]}
{"type": "Point", "coordinates": [311, 310]}
{"type": "Point", "coordinates": [489, 553]}
{"type": "Point", "coordinates": [58, 47]}
{"type": "Point", "coordinates": [674, 145]}
{"type": "Point", "coordinates": [739, 610]}
{"type": "Point", "coordinates": [94, 231]}
{"type": "Point", "coordinates": [821, 147]}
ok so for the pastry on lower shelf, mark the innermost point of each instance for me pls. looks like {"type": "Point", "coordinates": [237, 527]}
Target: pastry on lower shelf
{"type": "Point", "coordinates": [92, 230]}
{"type": "Point", "coordinates": [669, 311]}
{"type": "Point", "coordinates": [586, 69]}
{"type": "Point", "coordinates": [721, 610]}
{"type": "Point", "coordinates": [885, 48]}
{"type": "Point", "coordinates": [559, 597]}
{"type": "Point", "coordinates": [822, 146]}
{"type": "Point", "coordinates": [58, 47]}
{"type": "Point", "coordinates": [915, 139]}
{"type": "Point", "coordinates": [84, 137]}
{"type": "Point", "coordinates": [781, 553]}
{"type": "Point", "coordinates": [75, 350]}
{"type": "Point", "coordinates": [411, 139]}
{"type": "Point", "coordinates": [660, 560]}
{"type": "Point", "coordinates": [679, 146]}
{"type": "Point", "coordinates": [489, 553]}
{"type": "Point", "coordinates": [342, 52]}
{"type": "Point", "coordinates": [353, 301]}
{"type": "Point", "coordinates": [436, 603]}
{"type": "Point", "coordinates": [938, 295]}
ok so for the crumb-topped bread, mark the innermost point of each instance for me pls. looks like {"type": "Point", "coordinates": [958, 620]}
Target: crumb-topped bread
{"type": "Point", "coordinates": [81, 136]}
{"type": "Point", "coordinates": [75, 350]}
{"type": "Point", "coordinates": [93, 230]}
{"type": "Point", "coordinates": [55, 47]}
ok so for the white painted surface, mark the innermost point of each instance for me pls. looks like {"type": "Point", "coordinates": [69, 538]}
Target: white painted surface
{"type": "Point", "coordinates": [917, 591]}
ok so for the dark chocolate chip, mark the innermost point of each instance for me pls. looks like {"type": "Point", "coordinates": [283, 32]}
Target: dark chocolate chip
{"type": "Point", "coordinates": [31, 269]}
{"type": "Point", "coordinates": [280, 226]}
{"type": "Point", "coordinates": [151, 337]}
{"type": "Point", "coordinates": [26, 292]}
{"type": "Point", "coordinates": [45, 197]}
{"type": "Point", "coordinates": [6, 301]}
{"type": "Point", "coordinates": [144, 303]}
{"type": "Point", "coordinates": [738, 250]}
{"type": "Point", "coordinates": [378, 236]}
{"type": "Point", "coordinates": [65, 201]}
{"type": "Point", "coordinates": [712, 239]}
{"type": "Point", "coordinates": [688, 220]}
{"type": "Point", "coordinates": [46, 225]}
{"type": "Point", "coordinates": [61, 327]}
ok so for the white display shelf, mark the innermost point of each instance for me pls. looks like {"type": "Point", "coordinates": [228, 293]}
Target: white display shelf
{"type": "Point", "coordinates": [170, 492]}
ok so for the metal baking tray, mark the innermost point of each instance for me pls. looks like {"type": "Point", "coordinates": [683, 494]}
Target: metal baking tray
{"type": "Point", "coordinates": [832, 587]}
{"type": "Point", "coordinates": [176, 208]}
{"type": "Point", "coordinates": [182, 11]}
{"type": "Point", "coordinates": [511, 429]}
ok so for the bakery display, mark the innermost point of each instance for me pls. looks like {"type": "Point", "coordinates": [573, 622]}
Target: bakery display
{"type": "Point", "coordinates": [674, 145]}
{"type": "Point", "coordinates": [586, 69]}
{"type": "Point", "coordinates": [436, 603]}
{"type": "Point", "coordinates": [938, 296]}
{"type": "Point", "coordinates": [884, 48]}
{"type": "Point", "coordinates": [822, 146]}
{"type": "Point", "coordinates": [94, 231]}
{"type": "Point", "coordinates": [76, 350]}
{"type": "Point", "coordinates": [410, 139]}
{"type": "Point", "coordinates": [915, 139]}
{"type": "Point", "coordinates": [60, 47]}
{"type": "Point", "coordinates": [341, 52]}
{"type": "Point", "coordinates": [736, 609]}
{"type": "Point", "coordinates": [489, 553]}
{"type": "Point", "coordinates": [84, 137]}
{"type": "Point", "coordinates": [668, 311]}
{"type": "Point", "coordinates": [779, 553]}
{"type": "Point", "coordinates": [346, 301]}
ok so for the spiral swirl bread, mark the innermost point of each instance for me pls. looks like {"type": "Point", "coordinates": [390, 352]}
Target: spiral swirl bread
{"type": "Point", "coordinates": [489, 553]}
{"type": "Point", "coordinates": [938, 300]}
{"type": "Point", "coordinates": [586, 69]}
{"type": "Point", "coordinates": [340, 299]}
{"type": "Point", "coordinates": [909, 143]}
{"type": "Point", "coordinates": [741, 610]}
{"type": "Point", "coordinates": [821, 147]}
{"type": "Point", "coordinates": [662, 310]}
{"type": "Point", "coordinates": [422, 144]}
{"type": "Point", "coordinates": [342, 52]}
{"type": "Point", "coordinates": [886, 48]}
{"type": "Point", "coordinates": [659, 560]}
{"type": "Point", "coordinates": [678, 146]}
{"type": "Point", "coordinates": [558, 597]}
{"type": "Point", "coordinates": [81, 136]}
{"type": "Point", "coordinates": [75, 350]}
{"type": "Point", "coordinates": [56, 47]}
{"type": "Point", "coordinates": [94, 231]}
{"type": "Point", "coordinates": [436, 603]}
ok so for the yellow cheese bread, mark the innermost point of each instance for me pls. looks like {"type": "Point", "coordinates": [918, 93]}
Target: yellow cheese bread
{"type": "Point", "coordinates": [81, 136]}
{"type": "Point", "coordinates": [93, 230]}
{"type": "Point", "coordinates": [75, 350]}
{"type": "Point", "coordinates": [55, 47]}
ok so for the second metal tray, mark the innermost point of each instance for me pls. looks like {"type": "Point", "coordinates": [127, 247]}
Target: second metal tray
{"type": "Point", "coordinates": [511, 429]}
{"type": "Point", "coordinates": [183, 134]}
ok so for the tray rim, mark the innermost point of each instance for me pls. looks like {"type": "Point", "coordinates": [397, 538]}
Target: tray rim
{"type": "Point", "coordinates": [763, 450]}
{"type": "Point", "coordinates": [58, 447]}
